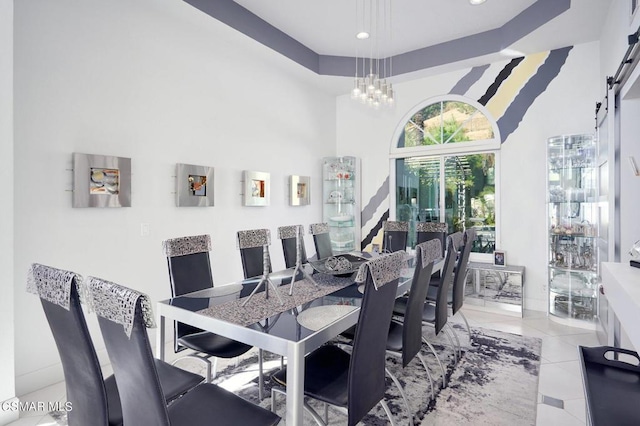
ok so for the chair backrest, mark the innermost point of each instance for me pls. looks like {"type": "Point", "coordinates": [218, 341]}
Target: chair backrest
{"type": "Point", "coordinates": [189, 270]}
{"type": "Point", "coordinates": [82, 373]}
{"type": "Point", "coordinates": [123, 316]}
{"type": "Point", "coordinates": [426, 254]}
{"type": "Point", "coordinates": [321, 239]}
{"type": "Point", "coordinates": [254, 251]}
{"type": "Point", "coordinates": [446, 281]}
{"type": "Point", "coordinates": [287, 235]}
{"type": "Point", "coordinates": [394, 236]}
{"type": "Point", "coordinates": [426, 231]}
{"type": "Point", "coordinates": [366, 380]}
{"type": "Point", "coordinates": [461, 270]}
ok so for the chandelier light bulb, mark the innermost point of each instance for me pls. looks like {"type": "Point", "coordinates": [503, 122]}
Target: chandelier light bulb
{"type": "Point", "coordinates": [371, 71]}
{"type": "Point", "coordinates": [355, 93]}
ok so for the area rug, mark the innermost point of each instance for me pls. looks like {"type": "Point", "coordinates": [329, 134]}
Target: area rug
{"type": "Point", "coordinates": [494, 383]}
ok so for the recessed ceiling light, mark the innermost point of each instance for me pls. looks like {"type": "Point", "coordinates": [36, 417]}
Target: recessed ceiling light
{"type": "Point", "coordinates": [362, 35]}
{"type": "Point", "coordinates": [474, 2]}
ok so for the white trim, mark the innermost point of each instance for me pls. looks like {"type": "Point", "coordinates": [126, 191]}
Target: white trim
{"type": "Point", "coordinates": [467, 146]}
{"type": "Point", "coordinates": [489, 146]}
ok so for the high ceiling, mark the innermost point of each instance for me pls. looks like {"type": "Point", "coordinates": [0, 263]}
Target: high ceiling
{"type": "Point", "coordinates": [328, 27]}
{"type": "Point", "coordinates": [427, 36]}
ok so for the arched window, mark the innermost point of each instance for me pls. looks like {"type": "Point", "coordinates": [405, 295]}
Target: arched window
{"type": "Point", "coordinates": [444, 162]}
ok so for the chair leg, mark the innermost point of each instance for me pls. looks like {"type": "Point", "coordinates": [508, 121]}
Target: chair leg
{"type": "Point", "coordinates": [402, 394]}
{"type": "Point", "coordinates": [208, 377]}
{"type": "Point", "coordinates": [454, 348]}
{"type": "Point", "coordinates": [426, 368]}
{"type": "Point", "coordinates": [466, 323]}
{"type": "Point", "coordinates": [313, 413]}
{"type": "Point", "coordinates": [387, 411]}
{"type": "Point", "coordinates": [309, 409]}
{"type": "Point", "coordinates": [433, 351]}
{"type": "Point", "coordinates": [455, 335]}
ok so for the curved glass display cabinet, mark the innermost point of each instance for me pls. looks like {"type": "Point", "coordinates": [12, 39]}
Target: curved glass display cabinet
{"type": "Point", "coordinates": [341, 204]}
{"type": "Point", "coordinates": [572, 183]}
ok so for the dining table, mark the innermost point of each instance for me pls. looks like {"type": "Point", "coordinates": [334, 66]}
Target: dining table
{"type": "Point", "coordinates": [323, 304]}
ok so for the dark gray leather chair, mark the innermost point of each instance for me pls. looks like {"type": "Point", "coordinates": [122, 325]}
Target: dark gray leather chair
{"type": "Point", "coordinates": [254, 254]}
{"type": "Point", "coordinates": [321, 240]}
{"type": "Point", "coordinates": [190, 270]}
{"type": "Point", "coordinates": [426, 231]}
{"type": "Point", "coordinates": [356, 381]}
{"type": "Point", "coordinates": [95, 400]}
{"type": "Point", "coordinates": [455, 295]}
{"type": "Point", "coordinates": [435, 314]}
{"type": "Point", "coordinates": [289, 246]}
{"type": "Point", "coordinates": [394, 236]}
{"type": "Point", "coordinates": [405, 337]}
{"type": "Point", "coordinates": [127, 342]}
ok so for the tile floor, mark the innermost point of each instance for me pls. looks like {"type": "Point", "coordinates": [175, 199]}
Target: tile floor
{"type": "Point", "coordinates": [560, 381]}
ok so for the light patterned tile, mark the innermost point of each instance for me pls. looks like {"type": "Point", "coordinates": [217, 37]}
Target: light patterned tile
{"type": "Point", "coordinates": [551, 416]}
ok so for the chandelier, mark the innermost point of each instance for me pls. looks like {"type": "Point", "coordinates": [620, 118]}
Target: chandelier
{"type": "Point", "coordinates": [373, 68]}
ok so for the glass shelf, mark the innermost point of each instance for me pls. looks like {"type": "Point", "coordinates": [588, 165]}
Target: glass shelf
{"type": "Point", "coordinates": [572, 184]}
{"type": "Point", "coordinates": [341, 205]}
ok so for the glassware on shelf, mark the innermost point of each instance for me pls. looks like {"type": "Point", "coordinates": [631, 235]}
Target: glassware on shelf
{"type": "Point", "coordinates": [572, 183]}
{"type": "Point", "coordinates": [340, 202]}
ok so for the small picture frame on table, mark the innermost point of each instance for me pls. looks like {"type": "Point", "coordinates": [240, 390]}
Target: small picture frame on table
{"type": "Point", "coordinates": [500, 258]}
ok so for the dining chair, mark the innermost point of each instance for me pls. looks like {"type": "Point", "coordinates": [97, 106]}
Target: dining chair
{"type": "Point", "coordinates": [426, 231]}
{"type": "Point", "coordinates": [190, 270]}
{"type": "Point", "coordinates": [95, 400]}
{"type": "Point", "coordinates": [287, 235]}
{"type": "Point", "coordinates": [355, 381]}
{"type": "Point", "coordinates": [292, 238]}
{"type": "Point", "coordinates": [321, 240]}
{"type": "Point", "coordinates": [462, 266]}
{"type": "Point", "coordinates": [394, 236]}
{"type": "Point", "coordinates": [455, 295]}
{"type": "Point", "coordinates": [254, 252]}
{"type": "Point", "coordinates": [435, 314]}
{"type": "Point", "coordinates": [123, 316]}
{"type": "Point", "coordinates": [405, 336]}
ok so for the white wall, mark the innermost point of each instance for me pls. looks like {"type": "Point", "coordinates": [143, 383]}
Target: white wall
{"type": "Point", "coordinates": [7, 367]}
{"type": "Point", "coordinates": [613, 40]}
{"type": "Point", "coordinates": [567, 106]}
{"type": "Point", "coordinates": [162, 83]}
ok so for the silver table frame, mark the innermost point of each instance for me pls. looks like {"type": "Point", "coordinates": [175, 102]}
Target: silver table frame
{"type": "Point", "coordinates": [295, 351]}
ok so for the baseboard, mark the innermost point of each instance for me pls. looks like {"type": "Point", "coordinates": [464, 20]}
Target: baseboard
{"type": "Point", "coordinates": [35, 380]}
{"type": "Point", "coordinates": [7, 413]}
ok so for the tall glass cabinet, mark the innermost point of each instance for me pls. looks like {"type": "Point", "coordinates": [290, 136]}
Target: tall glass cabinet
{"type": "Point", "coordinates": [572, 183]}
{"type": "Point", "coordinates": [341, 204]}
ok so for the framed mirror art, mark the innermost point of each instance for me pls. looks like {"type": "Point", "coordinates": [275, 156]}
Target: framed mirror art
{"type": "Point", "coordinates": [194, 186]}
{"type": "Point", "coordinates": [257, 188]}
{"type": "Point", "coordinates": [299, 190]}
{"type": "Point", "coordinates": [101, 181]}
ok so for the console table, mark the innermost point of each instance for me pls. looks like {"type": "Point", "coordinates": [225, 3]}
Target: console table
{"type": "Point", "coordinates": [496, 287]}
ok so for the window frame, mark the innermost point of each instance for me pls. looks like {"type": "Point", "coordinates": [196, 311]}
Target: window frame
{"type": "Point", "coordinates": [447, 150]}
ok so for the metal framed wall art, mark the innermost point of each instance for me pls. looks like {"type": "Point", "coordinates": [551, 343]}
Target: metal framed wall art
{"type": "Point", "coordinates": [257, 188]}
{"type": "Point", "coordinates": [101, 181]}
{"type": "Point", "coordinates": [194, 186]}
{"type": "Point", "coordinates": [299, 190]}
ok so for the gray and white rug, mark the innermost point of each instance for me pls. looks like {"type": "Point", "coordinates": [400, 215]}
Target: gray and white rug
{"type": "Point", "coordinates": [494, 383]}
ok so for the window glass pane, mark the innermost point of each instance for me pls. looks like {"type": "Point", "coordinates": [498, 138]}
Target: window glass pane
{"type": "Point", "coordinates": [445, 122]}
{"type": "Point", "coordinates": [469, 193]}
{"type": "Point", "coordinates": [470, 197]}
{"type": "Point", "coordinates": [417, 192]}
